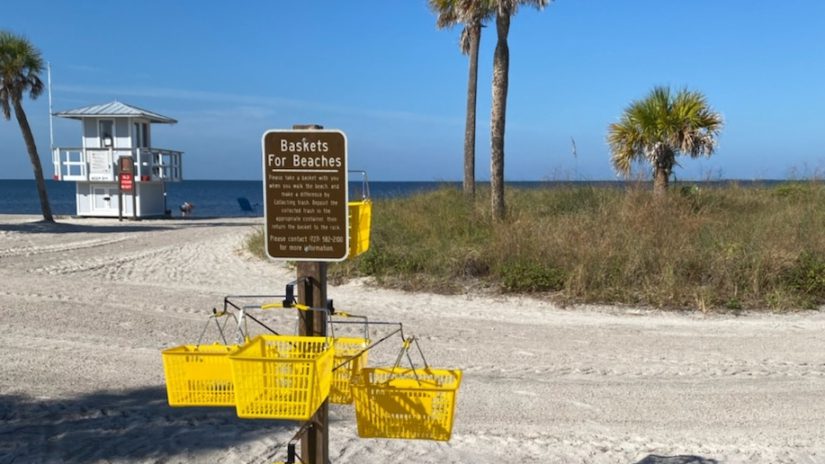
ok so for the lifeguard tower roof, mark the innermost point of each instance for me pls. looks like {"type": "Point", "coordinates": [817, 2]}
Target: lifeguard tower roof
{"type": "Point", "coordinates": [115, 109]}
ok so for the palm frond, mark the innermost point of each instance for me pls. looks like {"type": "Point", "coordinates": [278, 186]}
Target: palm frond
{"type": "Point", "coordinates": [661, 126]}
{"type": "Point", "coordinates": [20, 69]}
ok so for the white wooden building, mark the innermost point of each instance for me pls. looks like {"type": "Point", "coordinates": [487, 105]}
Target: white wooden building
{"type": "Point", "coordinates": [112, 131]}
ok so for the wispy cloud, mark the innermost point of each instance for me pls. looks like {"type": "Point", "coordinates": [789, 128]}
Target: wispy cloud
{"type": "Point", "coordinates": [256, 101]}
{"type": "Point", "coordinates": [87, 68]}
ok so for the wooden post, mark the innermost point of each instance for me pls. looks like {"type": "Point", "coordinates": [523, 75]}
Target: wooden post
{"type": "Point", "coordinates": [134, 198]}
{"type": "Point", "coordinates": [312, 291]}
{"type": "Point", "coordinates": [119, 200]}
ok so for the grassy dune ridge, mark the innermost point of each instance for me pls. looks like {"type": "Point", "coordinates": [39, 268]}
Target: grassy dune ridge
{"type": "Point", "coordinates": [700, 247]}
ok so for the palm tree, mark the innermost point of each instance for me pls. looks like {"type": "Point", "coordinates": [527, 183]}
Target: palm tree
{"type": "Point", "coordinates": [471, 13]}
{"type": "Point", "coordinates": [661, 126]}
{"type": "Point", "coordinates": [20, 67]}
{"type": "Point", "coordinates": [505, 9]}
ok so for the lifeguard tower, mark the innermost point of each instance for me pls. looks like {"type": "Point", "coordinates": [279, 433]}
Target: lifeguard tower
{"type": "Point", "coordinates": [116, 134]}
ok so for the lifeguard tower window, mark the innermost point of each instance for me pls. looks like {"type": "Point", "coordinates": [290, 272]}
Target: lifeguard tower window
{"type": "Point", "coordinates": [141, 135]}
{"type": "Point", "coordinates": [105, 130]}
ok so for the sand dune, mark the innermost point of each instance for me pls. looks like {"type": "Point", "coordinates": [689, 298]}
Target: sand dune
{"type": "Point", "coordinates": [87, 306]}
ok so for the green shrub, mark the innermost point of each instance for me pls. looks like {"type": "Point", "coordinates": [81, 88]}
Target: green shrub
{"type": "Point", "coordinates": [531, 277]}
{"type": "Point", "coordinates": [808, 275]}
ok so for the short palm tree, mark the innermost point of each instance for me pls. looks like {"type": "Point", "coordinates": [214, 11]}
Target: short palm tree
{"type": "Point", "coordinates": [472, 14]}
{"type": "Point", "coordinates": [661, 126]}
{"type": "Point", "coordinates": [20, 68]}
{"type": "Point", "coordinates": [504, 10]}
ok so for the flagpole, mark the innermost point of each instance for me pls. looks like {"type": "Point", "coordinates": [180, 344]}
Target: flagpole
{"type": "Point", "coordinates": [51, 127]}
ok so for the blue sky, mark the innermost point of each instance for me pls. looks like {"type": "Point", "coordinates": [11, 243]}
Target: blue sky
{"type": "Point", "coordinates": [380, 71]}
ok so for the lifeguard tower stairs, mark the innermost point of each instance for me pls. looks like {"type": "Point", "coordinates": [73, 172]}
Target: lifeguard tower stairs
{"type": "Point", "coordinates": [112, 131]}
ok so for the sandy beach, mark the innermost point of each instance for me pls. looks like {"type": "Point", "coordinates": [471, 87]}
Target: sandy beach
{"type": "Point", "coordinates": [88, 305]}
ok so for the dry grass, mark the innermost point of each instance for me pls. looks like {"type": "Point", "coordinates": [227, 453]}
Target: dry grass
{"type": "Point", "coordinates": [705, 248]}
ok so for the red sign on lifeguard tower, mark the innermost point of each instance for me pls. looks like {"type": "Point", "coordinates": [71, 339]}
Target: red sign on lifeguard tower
{"type": "Point", "coordinates": [127, 181]}
{"type": "Point", "coordinates": [126, 175]}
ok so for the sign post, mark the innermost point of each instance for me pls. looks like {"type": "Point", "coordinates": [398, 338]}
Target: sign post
{"type": "Point", "coordinates": [126, 183]}
{"type": "Point", "coordinates": [305, 205]}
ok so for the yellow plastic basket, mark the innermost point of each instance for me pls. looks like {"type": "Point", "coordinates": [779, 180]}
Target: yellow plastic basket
{"type": "Point", "coordinates": [282, 377]}
{"type": "Point", "coordinates": [405, 403]}
{"type": "Point", "coordinates": [199, 375]}
{"type": "Point", "coordinates": [360, 216]}
{"type": "Point", "coordinates": [346, 348]}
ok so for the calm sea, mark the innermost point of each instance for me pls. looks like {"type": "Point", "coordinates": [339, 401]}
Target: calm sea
{"type": "Point", "coordinates": [212, 198]}
{"type": "Point", "coordinates": [219, 198]}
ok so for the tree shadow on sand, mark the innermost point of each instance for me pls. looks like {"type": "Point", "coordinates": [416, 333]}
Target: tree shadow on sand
{"type": "Point", "coordinates": [132, 425]}
{"type": "Point", "coordinates": [43, 227]}
{"type": "Point", "coordinates": [682, 459]}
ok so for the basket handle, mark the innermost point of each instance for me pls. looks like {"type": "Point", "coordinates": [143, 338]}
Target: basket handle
{"type": "Point", "coordinates": [353, 316]}
{"type": "Point", "coordinates": [365, 185]}
{"type": "Point", "coordinates": [241, 313]}
{"type": "Point", "coordinates": [301, 307]}
{"type": "Point", "coordinates": [297, 306]}
{"type": "Point", "coordinates": [405, 350]}
{"type": "Point", "coordinates": [215, 316]}
{"type": "Point", "coordinates": [400, 330]}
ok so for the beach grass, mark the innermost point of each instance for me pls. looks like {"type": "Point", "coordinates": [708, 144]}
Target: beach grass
{"type": "Point", "coordinates": [701, 247]}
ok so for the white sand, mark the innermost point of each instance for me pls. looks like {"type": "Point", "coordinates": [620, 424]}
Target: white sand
{"type": "Point", "coordinates": [87, 306]}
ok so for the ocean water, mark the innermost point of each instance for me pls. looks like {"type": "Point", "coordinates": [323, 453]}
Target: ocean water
{"type": "Point", "coordinates": [212, 198]}
{"type": "Point", "coordinates": [219, 198]}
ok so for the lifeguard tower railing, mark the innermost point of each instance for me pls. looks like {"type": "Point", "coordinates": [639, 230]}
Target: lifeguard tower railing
{"type": "Point", "coordinates": [100, 164]}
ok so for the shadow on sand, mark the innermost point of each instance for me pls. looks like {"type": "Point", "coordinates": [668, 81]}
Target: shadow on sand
{"type": "Point", "coordinates": [43, 227]}
{"type": "Point", "coordinates": [683, 459]}
{"type": "Point", "coordinates": [134, 425]}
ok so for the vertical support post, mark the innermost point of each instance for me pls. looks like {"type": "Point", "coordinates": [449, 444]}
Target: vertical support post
{"type": "Point", "coordinates": [119, 200]}
{"type": "Point", "coordinates": [135, 178]}
{"type": "Point", "coordinates": [119, 193]}
{"type": "Point", "coordinates": [312, 291]}
{"type": "Point", "coordinates": [134, 200]}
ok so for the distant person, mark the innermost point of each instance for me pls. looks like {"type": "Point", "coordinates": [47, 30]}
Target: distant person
{"type": "Point", "coordinates": [186, 209]}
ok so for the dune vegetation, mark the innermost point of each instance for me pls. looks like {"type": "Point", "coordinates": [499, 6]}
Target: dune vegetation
{"type": "Point", "coordinates": [701, 247]}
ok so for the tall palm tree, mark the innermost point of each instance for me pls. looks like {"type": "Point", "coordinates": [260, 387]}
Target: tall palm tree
{"type": "Point", "coordinates": [471, 13]}
{"type": "Point", "coordinates": [505, 9]}
{"type": "Point", "coordinates": [20, 68]}
{"type": "Point", "coordinates": [661, 126]}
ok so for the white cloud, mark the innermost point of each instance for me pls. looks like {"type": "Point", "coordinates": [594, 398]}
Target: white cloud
{"type": "Point", "coordinates": [257, 101]}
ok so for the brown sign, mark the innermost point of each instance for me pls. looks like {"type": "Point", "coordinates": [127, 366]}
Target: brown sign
{"type": "Point", "coordinates": [305, 195]}
{"type": "Point", "coordinates": [126, 164]}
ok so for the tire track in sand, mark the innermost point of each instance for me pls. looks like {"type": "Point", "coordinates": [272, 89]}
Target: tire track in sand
{"type": "Point", "coordinates": [58, 248]}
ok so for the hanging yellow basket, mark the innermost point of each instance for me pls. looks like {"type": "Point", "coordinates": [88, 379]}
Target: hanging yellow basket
{"type": "Point", "coordinates": [199, 375]}
{"type": "Point", "coordinates": [360, 217]}
{"type": "Point", "coordinates": [282, 377]}
{"type": "Point", "coordinates": [345, 349]}
{"type": "Point", "coordinates": [405, 403]}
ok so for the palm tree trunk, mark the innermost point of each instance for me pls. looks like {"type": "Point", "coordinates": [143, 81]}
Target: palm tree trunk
{"type": "Point", "coordinates": [34, 158]}
{"type": "Point", "coordinates": [474, 31]}
{"type": "Point", "coordinates": [501, 68]}
{"type": "Point", "coordinates": [665, 159]}
{"type": "Point", "coordinates": [660, 182]}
